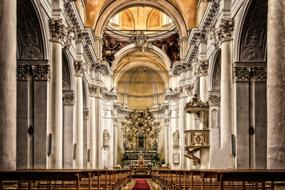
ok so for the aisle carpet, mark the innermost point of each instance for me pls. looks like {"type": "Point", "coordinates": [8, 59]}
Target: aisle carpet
{"type": "Point", "coordinates": [141, 184]}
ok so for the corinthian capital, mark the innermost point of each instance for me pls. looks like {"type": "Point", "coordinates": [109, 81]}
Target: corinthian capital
{"type": "Point", "coordinates": [58, 30]}
{"type": "Point", "coordinates": [68, 97]}
{"type": "Point", "coordinates": [203, 67]}
{"type": "Point", "coordinates": [78, 67]}
{"type": "Point", "coordinates": [41, 72]}
{"type": "Point", "coordinates": [23, 71]}
{"type": "Point", "coordinates": [92, 90]}
{"type": "Point", "coordinates": [225, 29]}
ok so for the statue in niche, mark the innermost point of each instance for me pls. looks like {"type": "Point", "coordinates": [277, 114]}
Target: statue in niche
{"type": "Point", "coordinates": [176, 137]}
{"type": "Point", "coordinates": [106, 138]}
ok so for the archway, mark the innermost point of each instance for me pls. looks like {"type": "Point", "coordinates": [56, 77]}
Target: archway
{"type": "Point", "coordinates": [116, 6]}
{"type": "Point", "coordinates": [33, 73]}
{"type": "Point", "coordinates": [250, 83]}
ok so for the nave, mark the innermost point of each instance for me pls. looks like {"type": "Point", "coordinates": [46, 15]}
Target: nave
{"type": "Point", "coordinates": [169, 94]}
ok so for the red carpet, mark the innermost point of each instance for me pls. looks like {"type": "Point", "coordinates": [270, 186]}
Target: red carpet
{"type": "Point", "coordinates": [141, 184]}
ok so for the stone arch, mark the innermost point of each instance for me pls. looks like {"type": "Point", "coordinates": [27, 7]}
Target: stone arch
{"type": "Point", "coordinates": [67, 62]}
{"type": "Point", "coordinates": [66, 76]}
{"type": "Point", "coordinates": [32, 86]}
{"type": "Point", "coordinates": [249, 73]}
{"type": "Point", "coordinates": [30, 36]}
{"type": "Point", "coordinates": [251, 32]}
{"type": "Point", "coordinates": [132, 47]}
{"type": "Point", "coordinates": [215, 72]}
{"type": "Point", "coordinates": [119, 5]}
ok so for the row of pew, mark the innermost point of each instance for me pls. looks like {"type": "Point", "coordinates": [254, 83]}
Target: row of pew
{"type": "Point", "coordinates": [241, 179]}
{"type": "Point", "coordinates": [64, 179]}
{"type": "Point", "coordinates": [167, 179]}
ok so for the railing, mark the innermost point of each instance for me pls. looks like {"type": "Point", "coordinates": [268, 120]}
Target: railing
{"type": "Point", "coordinates": [64, 179]}
{"type": "Point", "coordinates": [218, 179]}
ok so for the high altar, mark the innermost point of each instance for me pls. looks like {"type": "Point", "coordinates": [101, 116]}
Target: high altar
{"type": "Point", "coordinates": [140, 138]}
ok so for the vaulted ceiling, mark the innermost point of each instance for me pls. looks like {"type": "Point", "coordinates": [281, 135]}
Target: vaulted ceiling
{"type": "Point", "coordinates": [187, 8]}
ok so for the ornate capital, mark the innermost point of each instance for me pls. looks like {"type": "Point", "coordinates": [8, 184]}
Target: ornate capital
{"type": "Point", "coordinates": [203, 68]}
{"type": "Point", "coordinates": [23, 72]}
{"type": "Point", "coordinates": [36, 72]}
{"type": "Point", "coordinates": [202, 37]}
{"type": "Point", "coordinates": [189, 89]}
{"type": "Point", "coordinates": [41, 72]}
{"type": "Point", "coordinates": [243, 73]}
{"type": "Point", "coordinates": [92, 90]}
{"type": "Point", "coordinates": [225, 29]}
{"type": "Point", "coordinates": [68, 97]}
{"type": "Point", "coordinates": [58, 30]}
{"type": "Point", "coordinates": [78, 67]}
{"type": "Point", "coordinates": [214, 100]}
{"type": "Point", "coordinates": [259, 73]}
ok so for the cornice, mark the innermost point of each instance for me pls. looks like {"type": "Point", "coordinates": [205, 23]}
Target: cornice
{"type": "Point", "coordinates": [206, 22]}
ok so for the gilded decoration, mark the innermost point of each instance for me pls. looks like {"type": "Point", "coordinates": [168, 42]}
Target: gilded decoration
{"type": "Point", "coordinates": [141, 131]}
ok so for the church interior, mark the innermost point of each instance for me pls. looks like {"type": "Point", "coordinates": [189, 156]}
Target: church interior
{"type": "Point", "coordinates": [142, 94]}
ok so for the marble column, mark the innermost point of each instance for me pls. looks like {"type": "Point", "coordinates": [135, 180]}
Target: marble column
{"type": "Point", "coordinates": [86, 138]}
{"type": "Point", "coordinates": [41, 78]}
{"type": "Point", "coordinates": [24, 114]}
{"type": "Point", "coordinates": [214, 125]}
{"type": "Point", "coordinates": [203, 68]}
{"type": "Point", "coordinates": [8, 84]}
{"type": "Point", "coordinates": [276, 85]}
{"type": "Point", "coordinates": [166, 139]}
{"type": "Point", "coordinates": [58, 32]}
{"type": "Point", "coordinates": [189, 124]}
{"type": "Point", "coordinates": [78, 67]}
{"type": "Point", "coordinates": [224, 34]}
{"type": "Point", "coordinates": [98, 121]}
{"type": "Point", "coordinates": [68, 109]}
{"type": "Point", "coordinates": [92, 92]}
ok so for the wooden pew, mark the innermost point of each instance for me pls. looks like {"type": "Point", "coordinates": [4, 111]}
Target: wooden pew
{"type": "Point", "coordinates": [256, 175]}
{"type": "Point", "coordinates": [41, 175]}
{"type": "Point", "coordinates": [217, 179]}
{"type": "Point", "coordinates": [64, 179]}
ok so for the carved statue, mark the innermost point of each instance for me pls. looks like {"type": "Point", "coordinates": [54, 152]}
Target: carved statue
{"type": "Point", "coordinates": [176, 139]}
{"type": "Point", "coordinates": [106, 138]}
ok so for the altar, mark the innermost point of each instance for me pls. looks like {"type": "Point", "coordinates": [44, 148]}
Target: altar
{"type": "Point", "coordinates": [140, 139]}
